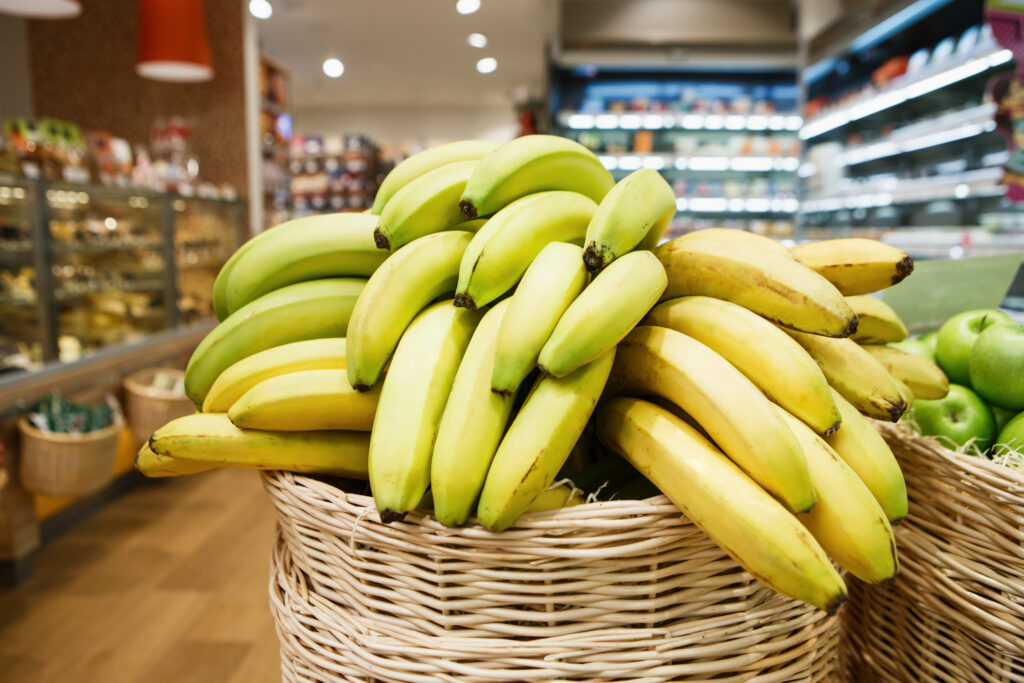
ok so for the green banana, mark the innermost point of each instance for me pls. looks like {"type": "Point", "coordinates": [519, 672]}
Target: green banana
{"type": "Point", "coordinates": [426, 205]}
{"type": "Point", "coordinates": [412, 401]}
{"type": "Point", "coordinates": [604, 313]}
{"type": "Point", "coordinates": [529, 164]}
{"type": "Point", "coordinates": [220, 284]}
{"type": "Point", "coordinates": [502, 250]}
{"type": "Point", "coordinates": [554, 279]}
{"type": "Point", "coordinates": [424, 162]}
{"type": "Point", "coordinates": [408, 280]}
{"type": "Point", "coordinates": [473, 423]}
{"type": "Point", "coordinates": [306, 310]}
{"type": "Point", "coordinates": [539, 441]}
{"type": "Point", "coordinates": [639, 205]}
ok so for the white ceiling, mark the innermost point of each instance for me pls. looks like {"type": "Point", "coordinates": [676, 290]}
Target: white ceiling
{"type": "Point", "coordinates": [408, 52]}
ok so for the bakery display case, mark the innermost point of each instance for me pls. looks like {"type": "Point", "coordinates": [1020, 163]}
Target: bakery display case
{"type": "Point", "coordinates": [206, 233]}
{"type": "Point", "coordinates": [22, 304]}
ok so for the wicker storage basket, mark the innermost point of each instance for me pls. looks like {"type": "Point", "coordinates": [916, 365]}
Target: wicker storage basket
{"type": "Point", "coordinates": [620, 591]}
{"type": "Point", "coordinates": [67, 465]}
{"type": "Point", "coordinates": [956, 611]}
{"type": "Point", "coordinates": [150, 408]}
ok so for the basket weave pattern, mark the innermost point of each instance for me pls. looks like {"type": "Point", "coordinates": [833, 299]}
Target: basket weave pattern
{"type": "Point", "coordinates": [956, 611]}
{"type": "Point", "coordinates": [619, 591]}
{"type": "Point", "coordinates": [150, 408]}
{"type": "Point", "coordinates": [67, 465]}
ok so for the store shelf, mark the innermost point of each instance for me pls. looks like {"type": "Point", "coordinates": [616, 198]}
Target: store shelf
{"type": "Point", "coordinates": [680, 121]}
{"type": "Point", "coordinates": [737, 205]}
{"type": "Point", "coordinates": [105, 248]}
{"type": "Point", "coordinates": [982, 182]}
{"type": "Point", "coordinates": [659, 162]}
{"type": "Point", "coordinates": [145, 287]}
{"type": "Point", "coordinates": [7, 298]}
{"type": "Point", "coordinates": [907, 88]}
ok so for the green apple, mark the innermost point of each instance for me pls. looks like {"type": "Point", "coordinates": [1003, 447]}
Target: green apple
{"type": "Point", "coordinates": [930, 339]}
{"type": "Point", "coordinates": [1013, 433]}
{"type": "Point", "coordinates": [916, 347]}
{"type": "Point", "coordinates": [1002, 415]}
{"type": "Point", "coordinates": [956, 337]}
{"type": "Point", "coordinates": [997, 366]}
{"type": "Point", "coordinates": [957, 418]}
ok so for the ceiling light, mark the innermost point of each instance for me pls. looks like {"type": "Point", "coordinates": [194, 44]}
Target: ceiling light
{"type": "Point", "coordinates": [334, 68]}
{"type": "Point", "coordinates": [260, 9]}
{"type": "Point", "coordinates": [41, 9]}
{"type": "Point", "coordinates": [467, 6]}
{"type": "Point", "coordinates": [477, 40]}
{"type": "Point", "coordinates": [487, 65]}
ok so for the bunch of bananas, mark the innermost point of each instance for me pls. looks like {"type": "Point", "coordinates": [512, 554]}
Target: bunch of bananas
{"type": "Point", "coordinates": [504, 310]}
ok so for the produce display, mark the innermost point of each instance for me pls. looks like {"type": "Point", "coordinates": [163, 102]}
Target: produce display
{"type": "Point", "coordinates": [500, 335]}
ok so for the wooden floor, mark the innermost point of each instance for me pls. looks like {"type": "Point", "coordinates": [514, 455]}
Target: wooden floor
{"type": "Point", "coordinates": [168, 583]}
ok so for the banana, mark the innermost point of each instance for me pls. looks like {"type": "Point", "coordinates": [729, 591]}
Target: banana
{"type": "Point", "coordinates": [642, 203]}
{"type": "Point", "coordinates": [424, 162]}
{"type": "Point", "coordinates": [771, 285]}
{"type": "Point", "coordinates": [855, 265]}
{"type": "Point", "coordinates": [412, 400]}
{"type": "Point", "coordinates": [240, 377]}
{"type": "Point", "coordinates": [905, 393]}
{"type": "Point", "coordinates": [310, 248]}
{"type": "Point", "coordinates": [426, 205]}
{"type": "Point", "coordinates": [855, 374]}
{"type": "Point", "coordinates": [734, 511]}
{"type": "Point", "coordinates": [220, 284]}
{"type": "Point", "coordinates": [539, 441]}
{"type": "Point", "coordinates": [551, 282]}
{"type": "Point", "coordinates": [410, 278]}
{"type": "Point", "coordinates": [306, 310]}
{"type": "Point", "coordinates": [744, 424]}
{"type": "Point", "coordinates": [556, 498]}
{"type": "Point", "coordinates": [308, 400]}
{"type": "Point", "coordinates": [765, 354]}
{"type": "Point", "coordinates": [211, 439]}
{"type": "Point", "coordinates": [471, 427]}
{"type": "Point", "coordinates": [529, 164]}
{"type": "Point", "coordinates": [847, 521]}
{"type": "Point", "coordinates": [877, 323]}
{"type": "Point", "coordinates": [727, 236]}
{"type": "Point", "coordinates": [471, 225]}
{"type": "Point", "coordinates": [150, 464]}
{"type": "Point", "coordinates": [867, 454]}
{"type": "Point", "coordinates": [604, 313]}
{"type": "Point", "coordinates": [502, 250]}
{"type": "Point", "coordinates": [924, 378]}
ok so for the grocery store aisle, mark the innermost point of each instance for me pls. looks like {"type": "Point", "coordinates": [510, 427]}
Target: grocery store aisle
{"type": "Point", "coordinates": [167, 583]}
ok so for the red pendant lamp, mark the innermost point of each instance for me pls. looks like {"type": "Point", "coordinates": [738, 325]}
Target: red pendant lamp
{"type": "Point", "coordinates": [172, 41]}
{"type": "Point", "coordinates": [41, 9]}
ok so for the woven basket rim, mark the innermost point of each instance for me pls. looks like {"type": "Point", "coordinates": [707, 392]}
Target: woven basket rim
{"type": "Point", "coordinates": [29, 429]}
{"type": "Point", "coordinates": [133, 384]}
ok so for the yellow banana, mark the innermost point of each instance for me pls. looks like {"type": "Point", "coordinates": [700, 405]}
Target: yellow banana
{"type": "Point", "coordinates": [551, 282]}
{"type": "Point", "coordinates": [211, 439]}
{"type": "Point", "coordinates": [769, 358]}
{"type": "Point", "coordinates": [408, 280]}
{"type": "Point", "coordinates": [867, 454]}
{"type": "Point", "coordinates": [734, 511]}
{"type": "Point", "coordinates": [556, 498]}
{"type": "Point", "coordinates": [924, 378]}
{"type": "Point", "coordinates": [771, 285]}
{"type": "Point", "coordinates": [855, 265]}
{"type": "Point", "coordinates": [424, 162]}
{"type": "Point", "coordinates": [604, 313]}
{"type": "Point", "coordinates": [855, 374]}
{"type": "Point", "coordinates": [151, 465]}
{"type": "Point", "coordinates": [312, 354]}
{"type": "Point", "coordinates": [744, 424]}
{"type": "Point", "coordinates": [905, 392]}
{"type": "Point", "coordinates": [642, 203]}
{"type": "Point", "coordinates": [539, 441]}
{"type": "Point", "coordinates": [412, 401]}
{"type": "Point", "coordinates": [727, 236]}
{"type": "Point", "coordinates": [471, 427]}
{"type": "Point", "coordinates": [529, 164]}
{"type": "Point", "coordinates": [305, 401]}
{"type": "Point", "coordinates": [426, 205]}
{"type": "Point", "coordinates": [877, 323]}
{"type": "Point", "coordinates": [847, 521]}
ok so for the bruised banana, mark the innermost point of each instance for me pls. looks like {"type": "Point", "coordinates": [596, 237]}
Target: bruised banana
{"type": "Point", "coordinates": [531, 164]}
{"type": "Point", "coordinates": [426, 205]}
{"type": "Point", "coordinates": [771, 285]}
{"type": "Point", "coordinates": [924, 378]}
{"type": "Point", "coordinates": [737, 514]}
{"type": "Point", "coordinates": [877, 323]}
{"type": "Point", "coordinates": [424, 162]}
{"type": "Point", "coordinates": [855, 265]}
{"type": "Point", "coordinates": [769, 358]}
{"type": "Point", "coordinates": [744, 424]}
{"type": "Point", "coordinates": [306, 400]}
{"type": "Point", "coordinates": [639, 205]}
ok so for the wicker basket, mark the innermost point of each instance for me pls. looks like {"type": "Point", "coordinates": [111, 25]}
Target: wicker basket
{"type": "Point", "coordinates": [956, 611]}
{"type": "Point", "coordinates": [620, 591]}
{"type": "Point", "coordinates": [67, 465]}
{"type": "Point", "coordinates": [150, 408]}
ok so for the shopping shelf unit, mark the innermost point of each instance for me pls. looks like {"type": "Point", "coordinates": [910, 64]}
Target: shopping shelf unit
{"type": "Point", "coordinates": [85, 267]}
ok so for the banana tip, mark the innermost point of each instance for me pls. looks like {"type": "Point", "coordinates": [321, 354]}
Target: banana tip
{"type": "Point", "coordinates": [904, 268]}
{"type": "Point", "coordinates": [391, 516]}
{"type": "Point", "coordinates": [833, 429]}
{"type": "Point", "coordinates": [897, 521]}
{"type": "Point", "coordinates": [896, 410]}
{"type": "Point", "coordinates": [361, 388]}
{"type": "Point", "coordinates": [380, 240]}
{"type": "Point", "coordinates": [592, 258]}
{"type": "Point", "coordinates": [467, 208]}
{"type": "Point", "coordinates": [464, 301]}
{"type": "Point", "coordinates": [851, 326]}
{"type": "Point", "coordinates": [834, 604]}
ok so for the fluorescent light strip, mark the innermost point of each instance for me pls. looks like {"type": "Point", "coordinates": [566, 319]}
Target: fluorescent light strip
{"type": "Point", "coordinates": [752, 164]}
{"type": "Point", "coordinates": [629, 162]}
{"type": "Point", "coordinates": [654, 162]}
{"type": "Point", "coordinates": [709, 163]}
{"type": "Point", "coordinates": [609, 162]}
{"type": "Point", "coordinates": [581, 121]}
{"type": "Point", "coordinates": [607, 121]}
{"type": "Point", "coordinates": [709, 204]}
{"type": "Point", "coordinates": [629, 121]}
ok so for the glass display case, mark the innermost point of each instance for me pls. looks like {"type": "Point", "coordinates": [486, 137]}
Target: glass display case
{"type": "Point", "coordinates": [22, 304]}
{"type": "Point", "coordinates": [205, 235]}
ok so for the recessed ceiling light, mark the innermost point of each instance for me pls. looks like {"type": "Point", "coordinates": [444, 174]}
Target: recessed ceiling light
{"type": "Point", "coordinates": [477, 40]}
{"type": "Point", "coordinates": [487, 65]}
{"type": "Point", "coordinates": [334, 68]}
{"type": "Point", "coordinates": [260, 9]}
{"type": "Point", "coordinates": [467, 6]}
